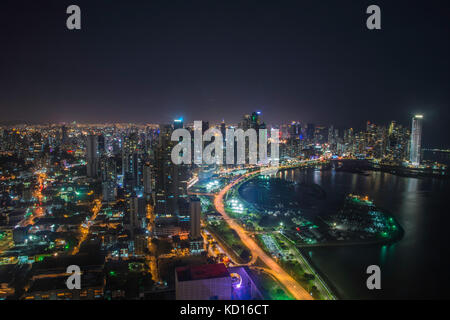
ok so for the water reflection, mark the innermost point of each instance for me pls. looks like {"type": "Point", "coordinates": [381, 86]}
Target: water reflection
{"type": "Point", "coordinates": [414, 267]}
{"type": "Point", "coordinates": [317, 176]}
{"type": "Point", "coordinates": [383, 254]}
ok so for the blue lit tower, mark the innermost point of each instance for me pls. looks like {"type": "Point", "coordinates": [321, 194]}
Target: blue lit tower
{"type": "Point", "coordinates": [178, 123]}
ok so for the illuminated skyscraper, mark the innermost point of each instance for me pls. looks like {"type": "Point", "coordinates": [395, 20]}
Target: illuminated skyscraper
{"type": "Point", "coordinates": [416, 137]}
{"type": "Point", "coordinates": [92, 156]}
{"type": "Point", "coordinates": [294, 130]}
{"type": "Point", "coordinates": [223, 128]}
{"type": "Point", "coordinates": [64, 137]}
{"type": "Point", "coordinates": [170, 179]}
{"type": "Point", "coordinates": [178, 123]}
{"type": "Point", "coordinates": [147, 179]}
{"type": "Point", "coordinates": [398, 139]}
{"type": "Point", "coordinates": [310, 132]}
{"type": "Point", "coordinates": [255, 120]}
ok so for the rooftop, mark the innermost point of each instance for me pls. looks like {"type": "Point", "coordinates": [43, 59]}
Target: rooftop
{"type": "Point", "coordinates": [88, 280]}
{"type": "Point", "coordinates": [202, 272]}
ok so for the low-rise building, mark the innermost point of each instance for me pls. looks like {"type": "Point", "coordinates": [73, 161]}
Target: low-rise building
{"type": "Point", "coordinates": [203, 282]}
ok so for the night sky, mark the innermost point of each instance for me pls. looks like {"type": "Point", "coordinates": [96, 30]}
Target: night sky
{"type": "Point", "coordinates": [151, 61]}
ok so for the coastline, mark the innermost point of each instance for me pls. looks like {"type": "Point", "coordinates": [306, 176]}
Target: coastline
{"type": "Point", "coordinates": [329, 285]}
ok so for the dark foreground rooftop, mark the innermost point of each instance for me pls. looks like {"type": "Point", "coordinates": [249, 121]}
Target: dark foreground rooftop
{"type": "Point", "coordinates": [201, 272]}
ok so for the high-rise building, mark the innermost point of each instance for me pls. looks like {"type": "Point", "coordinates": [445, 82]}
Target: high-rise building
{"type": "Point", "coordinates": [108, 168]}
{"type": "Point", "coordinates": [245, 124]}
{"type": "Point", "coordinates": [140, 242]}
{"type": "Point", "coordinates": [223, 128]}
{"type": "Point", "coordinates": [310, 130]}
{"type": "Point", "coordinates": [320, 134]}
{"type": "Point", "coordinates": [195, 212]}
{"type": "Point", "coordinates": [147, 179]}
{"type": "Point", "coordinates": [252, 121]}
{"type": "Point", "coordinates": [205, 126]}
{"type": "Point", "coordinates": [294, 130]}
{"type": "Point", "coordinates": [331, 137]}
{"type": "Point", "coordinates": [170, 179]}
{"type": "Point", "coordinates": [397, 142]}
{"type": "Point", "coordinates": [178, 123]}
{"type": "Point", "coordinates": [416, 137]}
{"type": "Point", "coordinates": [101, 144]}
{"type": "Point", "coordinates": [255, 120]}
{"type": "Point", "coordinates": [92, 156]}
{"type": "Point", "coordinates": [109, 191]}
{"type": "Point", "coordinates": [163, 165]}
{"type": "Point", "coordinates": [64, 137]}
{"type": "Point", "coordinates": [130, 160]}
{"type": "Point", "coordinates": [136, 212]}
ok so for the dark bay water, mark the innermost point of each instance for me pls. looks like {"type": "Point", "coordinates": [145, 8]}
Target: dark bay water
{"type": "Point", "coordinates": [417, 266]}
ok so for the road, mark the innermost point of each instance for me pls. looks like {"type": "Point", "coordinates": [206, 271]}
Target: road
{"type": "Point", "coordinates": [297, 291]}
{"type": "Point", "coordinates": [38, 210]}
{"type": "Point", "coordinates": [151, 256]}
{"type": "Point", "coordinates": [320, 284]}
{"type": "Point", "coordinates": [85, 230]}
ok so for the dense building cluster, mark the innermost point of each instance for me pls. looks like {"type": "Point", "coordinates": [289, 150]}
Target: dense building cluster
{"type": "Point", "coordinates": [108, 198]}
{"type": "Point", "coordinates": [389, 143]}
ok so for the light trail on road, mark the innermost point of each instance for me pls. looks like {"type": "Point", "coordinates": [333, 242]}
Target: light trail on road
{"type": "Point", "coordinates": [282, 276]}
{"type": "Point", "coordinates": [85, 231]}
{"type": "Point", "coordinates": [38, 211]}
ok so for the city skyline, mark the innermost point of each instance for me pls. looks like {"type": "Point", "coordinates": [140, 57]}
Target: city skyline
{"type": "Point", "coordinates": [232, 150]}
{"type": "Point", "coordinates": [105, 196]}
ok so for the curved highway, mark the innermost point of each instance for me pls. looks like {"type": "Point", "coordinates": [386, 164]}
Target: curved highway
{"type": "Point", "coordinates": [282, 276]}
